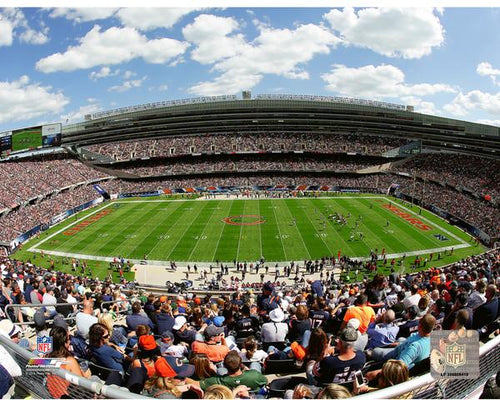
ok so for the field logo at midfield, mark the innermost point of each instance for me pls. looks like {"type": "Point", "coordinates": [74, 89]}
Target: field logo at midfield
{"type": "Point", "coordinates": [77, 228]}
{"type": "Point", "coordinates": [244, 220]}
{"type": "Point", "coordinates": [407, 217]}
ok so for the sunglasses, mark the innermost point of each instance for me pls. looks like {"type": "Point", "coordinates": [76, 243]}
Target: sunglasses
{"type": "Point", "coordinates": [106, 336]}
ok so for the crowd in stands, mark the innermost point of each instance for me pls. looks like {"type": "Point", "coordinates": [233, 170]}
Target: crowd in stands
{"type": "Point", "coordinates": [27, 178]}
{"type": "Point", "coordinates": [193, 346]}
{"type": "Point", "coordinates": [480, 175]}
{"type": "Point", "coordinates": [250, 141]}
{"type": "Point", "coordinates": [196, 166]}
{"type": "Point", "coordinates": [42, 211]}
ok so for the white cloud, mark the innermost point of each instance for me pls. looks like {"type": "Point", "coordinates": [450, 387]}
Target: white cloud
{"type": "Point", "coordinates": [6, 32]}
{"type": "Point", "coordinates": [21, 100]}
{"type": "Point", "coordinates": [146, 19]}
{"type": "Point", "coordinates": [210, 35]}
{"type": "Point", "coordinates": [242, 65]}
{"type": "Point", "coordinates": [128, 74]}
{"type": "Point", "coordinates": [393, 32]}
{"type": "Point", "coordinates": [104, 72]}
{"type": "Point", "coordinates": [110, 47]}
{"type": "Point", "coordinates": [35, 37]}
{"type": "Point", "coordinates": [127, 85]}
{"type": "Point", "coordinates": [13, 23]}
{"type": "Point", "coordinates": [421, 106]}
{"type": "Point", "coordinates": [495, 122]}
{"type": "Point", "coordinates": [377, 82]}
{"type": "Point", "coordinates": [475, 100]}
{"type": "Point", "coordinates": [83, 14]}
{"type": "Point", "coordinates": [79, 114]}
{"type": "Point", "coordinates": [160, 88]}
{"type": "Point", "coordinates": [486, 69]}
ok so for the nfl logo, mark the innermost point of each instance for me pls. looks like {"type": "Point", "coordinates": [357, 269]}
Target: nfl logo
{"type": "Point", "coordinates": [44, 344]}
{"type": "Point", "coordinates": [455, 355]}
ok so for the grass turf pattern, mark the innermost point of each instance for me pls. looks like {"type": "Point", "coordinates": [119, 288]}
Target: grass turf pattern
{"type": "Point", "coordinates": [245, 230]}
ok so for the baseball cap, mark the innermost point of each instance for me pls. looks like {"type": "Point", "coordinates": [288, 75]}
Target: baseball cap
{"type": "Point", "coordinates": [169, 367]}
{"type": "Point", "coordinates": [8, 328]}
{"type": "Point", "coordinates": [349, 335]}
{"type": "Point", "coordinates": [59, 321]}
{"type": "Point", "coordinates": [39, 319]}
{"type": "Point", "coordinates": [179, 323]}
{"type": "Point", "coordinates": [213, 330]}
{"type": "Point", "coordinates": [353, 323]}
{"type": "Point", "coordinates": [268, 286]}
{"type": "Point", "coordinates": [218, 321]}
{"type": "Point", "coordinates": [168, 335]}
{"type": "Point", "coordinates": [147, 342]}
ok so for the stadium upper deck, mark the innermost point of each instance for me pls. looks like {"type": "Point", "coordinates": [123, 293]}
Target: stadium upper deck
{"type": "Point", "coordinates": [282, 113]}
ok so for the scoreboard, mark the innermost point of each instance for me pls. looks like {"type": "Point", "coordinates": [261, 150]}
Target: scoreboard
{"type": "Point", "coordinates": [30, 138]}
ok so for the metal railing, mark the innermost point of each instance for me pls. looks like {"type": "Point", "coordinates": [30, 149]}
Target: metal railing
{"type": "Point", "coordinates": [75, 386]}
{"type": "Point", "coordinates": [426, 387]}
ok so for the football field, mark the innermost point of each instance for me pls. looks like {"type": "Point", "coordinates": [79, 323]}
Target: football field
{"type": "Point", "coordinates": [246, 230]}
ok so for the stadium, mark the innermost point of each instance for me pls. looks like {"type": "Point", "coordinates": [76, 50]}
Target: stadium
{"type": "Point", "coordinates": [229, 214]}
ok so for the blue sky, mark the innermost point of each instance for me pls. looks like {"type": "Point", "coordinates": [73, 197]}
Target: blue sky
{"type": "Point", "coordinates": [59, 64]}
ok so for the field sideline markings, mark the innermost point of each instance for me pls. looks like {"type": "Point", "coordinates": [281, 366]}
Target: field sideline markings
{"type": "Point", "coordinates": [220, 235]}
{"type": "Point", "coordinates": [241, 231]}
{"type": "Point", "coordinates": [430, 222]}
{"type": "Point", "coordinates": [180, 263]}
{"type": "Point", "coordinates": [315, 230]}
{"type": "Point", "coordinates": [34, 248]}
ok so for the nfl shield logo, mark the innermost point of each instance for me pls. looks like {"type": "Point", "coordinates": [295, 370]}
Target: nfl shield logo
{"type": "Point", "coordinates": [455, 355]}
{"type": "Point", "coordinates": [44, 344]}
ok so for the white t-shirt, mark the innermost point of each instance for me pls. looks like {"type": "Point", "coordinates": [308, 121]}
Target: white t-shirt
{"type": "Point", "coordinates": [83, 324]}
{"type": "Point", "coordinates": [258, 356]}
{"type": "Point", "coordinates": [273, 332]}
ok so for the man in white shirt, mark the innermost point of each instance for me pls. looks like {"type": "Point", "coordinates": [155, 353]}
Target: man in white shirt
{"type": "Point", "coordinates": [478, 296]}
{"type": "Point", "coordinates": [85, 319]}
{"type": "Point", "coordinates": [413, 299]}
{"type": "Point", "coordinates": [276, 330]}
{"type": "Point", "coordinates": [49, 300]}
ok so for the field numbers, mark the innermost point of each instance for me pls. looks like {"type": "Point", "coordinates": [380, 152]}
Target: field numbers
{"type": "Point", "coordinates": [202, 237]}
{"type": "Point", "coordinates": [132, 236]}
{"type": "Point", "coordinates": [323, 235]}
{"type": "Point", "coordinates": [283, 236]}
{"type": "Point", "coordinates": [164, 237]}
{"type": "Point", "coordinates": [103, 235]}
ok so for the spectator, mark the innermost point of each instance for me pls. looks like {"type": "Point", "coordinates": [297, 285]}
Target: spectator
{"type": "Point", "coordinates": [203, 367]}
{"type": "Point", "coordinates": [276, 330]}
{"type": "Point", "coordinates": [360, 311]}
{"type": "Point", "coordinates": [214, 345]}
{"type": "Point", "coordinates": [340, 368]}
{"type": "Point", "coordinates": [236, 376]}
{"type": "Point", "coordinates": [85, 319]}
{"type": "Point", "coordinates": [414, 349]}
{"type": "Point", "coordinates": [382, 331]}
{"type": "Point", "coordinates": [487, 312]}
{"type": "Point", "coordinates": [138, 317]}
{"type": "Point", "coordinates": [105, 353]}
{"type": "Point", "coordinates": [392, 373]}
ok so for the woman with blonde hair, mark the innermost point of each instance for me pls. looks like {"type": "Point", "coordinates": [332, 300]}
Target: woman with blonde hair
{"type": "Point", "coordinates": [218, 392]}
{"type": "Point", "coordinates": [393, 373]}
{"type": "Point", "coordinates": [116, 335]}
{"type": "Point", "coordinates": [334, 391]}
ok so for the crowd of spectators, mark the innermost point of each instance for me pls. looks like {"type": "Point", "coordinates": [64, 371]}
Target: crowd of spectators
{"type": "Point", "coordinates": [480, 175]}
{"type": "Point", "coordinates": [187, 345]}
{"type": "Point", "coordinates": [197, 166]}
{"type": "Point", "coordinates": [476, 211]}
{"type": "Point", "coordinates": [42, 211]}
{"type": "Point", "coordinates": [249, 141]}
{"type": "Point", "coordinates": [27, 178]}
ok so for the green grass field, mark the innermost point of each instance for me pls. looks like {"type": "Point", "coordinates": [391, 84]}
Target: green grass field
{"type": "Point", "coordinates": [30, 138]}
{"type": "Point", "coordinates": [277, 229]}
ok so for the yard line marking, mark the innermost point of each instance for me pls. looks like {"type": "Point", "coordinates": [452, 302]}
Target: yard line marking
{"type": "Point", "coordinates": [300, 235]}
{"type": "Point", "coordinates": [221, 232]}
{"type": "Point", "coordinates": [279, 231]}
{"type": "Point", "coordinates": [201, 234]}
{"type": "Point", "coordinates": [239, 237]}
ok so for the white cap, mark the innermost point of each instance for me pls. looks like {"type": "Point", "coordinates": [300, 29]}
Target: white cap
{"type": "Point", "coordinates": [8, 328]}
{"type": "Point", "coordinates": [353, 323]}
{"type": "Point", "coordinates": [179, 323]}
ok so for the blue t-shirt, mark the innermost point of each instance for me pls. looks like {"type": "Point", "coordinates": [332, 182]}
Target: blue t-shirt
{"type": "Point", "coordinates": [333, 370]}
{"type": "Point", "coordinates": [107, 356]}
